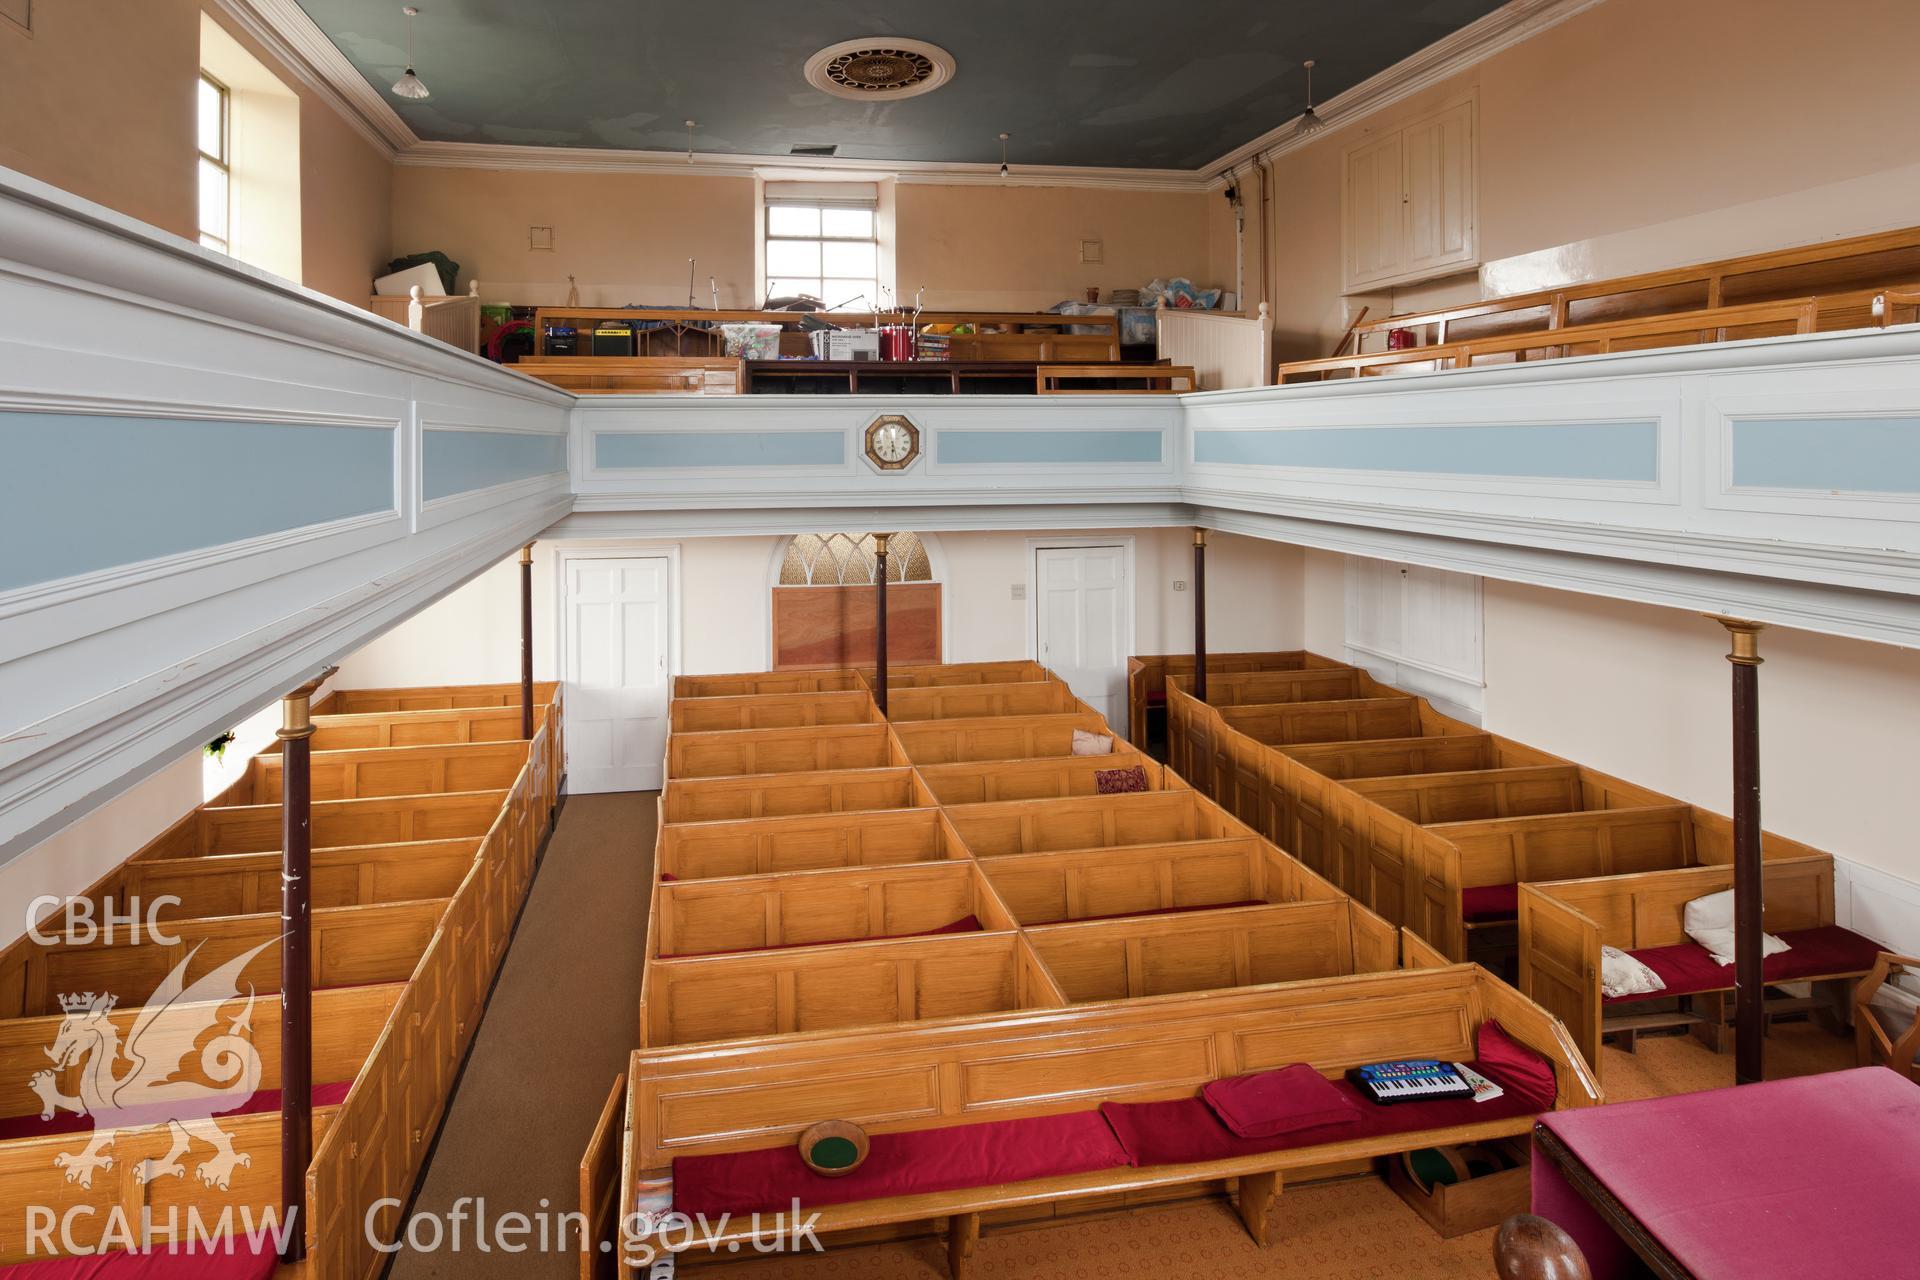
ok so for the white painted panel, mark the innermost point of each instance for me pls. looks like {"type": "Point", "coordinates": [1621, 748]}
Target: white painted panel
{"type": "Point", "coordinates": [1083, 625]}
{"type": "Point", "coordinates": [1419, 629]}
{"type": "Point", "coordinates": [619, 628]}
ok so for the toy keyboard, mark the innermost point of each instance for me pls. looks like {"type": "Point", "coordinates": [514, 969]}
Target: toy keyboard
{"type": "Point", "coordinates": [1416, 1080]}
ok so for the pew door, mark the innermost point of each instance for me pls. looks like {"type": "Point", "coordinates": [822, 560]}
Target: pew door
{"type": "Point", "coordinates": [617, 651]}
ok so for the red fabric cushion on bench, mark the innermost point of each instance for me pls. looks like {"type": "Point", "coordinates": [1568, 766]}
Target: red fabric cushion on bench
{"type": "Point", "coordinates": [32, 1126]}
{"type": "Point", "coordinates": [898, 1164]}
{"type": "Point", "coordinates": [965, 924]}
{"type": "Point", "coordinates": [1290, 1100]}
{"type": "Point", "coordinates": [1486, 902]}
{"type": "Point", "coordinates": [1688, 968]}
{"type": "Point", "coordinates": [228, 1258]}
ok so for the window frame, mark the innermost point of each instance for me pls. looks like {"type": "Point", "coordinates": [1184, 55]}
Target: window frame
{"type": "Point", "coordinates": [223, 162]}
{"type": "Point", "coordinates": [768, 238]}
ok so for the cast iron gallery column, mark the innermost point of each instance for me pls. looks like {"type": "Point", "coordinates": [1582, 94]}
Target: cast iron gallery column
{"type": "Point", "coordinates": [1200, 614]}
{"type": "Point", "coordinates": [526, 642]}
{"type": "Point", "coordinates": [296, 959]}
{"type": "Point", "coordinates": [880, 620]}
{"type": "Point", "coordinates": [1750, 993]}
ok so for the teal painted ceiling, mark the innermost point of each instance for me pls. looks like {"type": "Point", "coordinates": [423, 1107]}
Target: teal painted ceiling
{"type": "Point", "coordinates": [1118, 83]}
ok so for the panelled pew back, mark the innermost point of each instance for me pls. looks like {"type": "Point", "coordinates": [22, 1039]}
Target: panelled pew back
{"type": "Point", "coordinates": [806, 842]}
{"type": "Point", "coordinates": [1048, 1061]}
{"type": "Point", "coordinates": [1147, 675]}
{"type": "Point", "coordinates": [1087, 822]}
{"type": "Point", "coordinates": [770, 711]}
{"type": "Point", "coordinates": [1034, 737]}
{"type": "Point", "coordinates": [1048, 778]}
{"type": "Point", "coordinates": [962, 701]}
{"type": "Point", "coordinates": [753, 683]}
{"type": "Point", "coordinates": [811, 748]}
{"type": "Point", "coordinates": [445, 697]}
{"type": "Point", "coordinates": [360, 730]}
{"type": "Point", "coordinates": [775, 795]}
{"type": "Point", "coordinates": [386, 771]}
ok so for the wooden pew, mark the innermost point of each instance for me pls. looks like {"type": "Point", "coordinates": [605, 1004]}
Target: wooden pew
{"type": "Point", "coordinates": [444, 697]}
{"type": "Point", "coordinates": [417, 728]}
{"type": "Point", "coordinates": [600, 1190]}
{"type": "Point", "coordinates": [1563, 925]}
{"type": "Point", "coordinates": [746, 683]}
{"type": "Point", "coordinates": [809, 908]}
{"type": "Point", "coordinates": [949, 702]}
{"type": "Point", "coordinates": [767, 846]}
{"type": "Point", "coordinates": [931, 742]}
{"type": "Point", "coordinates": [808, 749]}
{"type": "Point", "coordinates": [1147, 675]}
{"type": "Point", "coordinates": [351, 945]}
{"type": "Point", "coordinates": [1052, 778]}
{"type": "Point", "coordinates": [1088, 822]}
{"type": "Point", "coordinates": [1512, 791]}
{"type": "Point", "coordinates": [1250, 688]}
{"type": "Point", "coordinates": [255, 828]}
{"type": "Point", "coordinates": [232, 884]}
{"type": "Point", "coordinates": [1053, 888]}
{"type": "Point", "coordinates": [929, 675]}
{"type": "Point", "coordinates": [777, 993]}
{"type": "Point", "coordinates": [762, 1093]}
{"type": "Point", "coordinates": [386, 771]}
{"type": "Point", "coordinates": [1399, 757]}
{"type": "Point", "coordinates": [770, 711]}
{"type": "Point", "coordinates": [782, 794]}
{"type": "Point", "coordinates": [1339, 720]}
{"type": "Point", "coordinates": [634, 375]}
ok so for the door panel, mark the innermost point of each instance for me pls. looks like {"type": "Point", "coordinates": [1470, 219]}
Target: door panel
{"type": "Point", "coordinates": [1081, 616]}
{"type": "Point", "coordinates": [619, 639]}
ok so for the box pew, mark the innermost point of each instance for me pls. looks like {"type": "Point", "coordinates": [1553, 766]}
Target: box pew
{"type": "Point", "coordinates": [945, 674]}
{"type": "Point", "coordinates": [812, 748]}
{"type": "Point", "coordinates": [746, 683]}
{"type": "Point", "coordinates": [233, 884]}
{"type": "Point", "coordinates": [1259, 688]}
{"type": "Point", "coordinates": [1053, 778]}
{"type": "Point", "coordinates": [812, 908]}
{"type": "Point", "coordinates": [1512, 791]}
{"type": "Point", "coordinates": [1398, 757]}
{"type": "Point", "coordinates": [255, 828]}
{"type": "Point", "coordinates": [1563, 925]}
{"type": "Point", "coordinates": [951, 702]}
{"type": "Point", "coordinates": [1337, 720]}
{"type": "Point", "coordinates": [444, 697]}
{"type": "Point", "coordinates": [770, 846]}
{"type": "Point", "coordinates": [930, 742]}
{"type": "Point", "coordinates": [386, 771]}
{"type": "Point", "coordinates": [1212, 950]}
{"type": "Point", "coordinates": [1089, 822]}
{"type": "Point", "coordinates": [775, 795]}
{"type": "Point", "coordinates": [1099, 884]}
{"type": "Point", "coordinates": [770, 711]}
{"type": "Point", "coordinates": [351, 945]}
{"type": "Point", "coordinates": [763, 1093]}
{"type": "Point", "coordinates": [417, 728]}
{"type": "Point", "coordinates": [777, 993]}
{"type": "Point", "coordinates": [1147, 677]}
{"type": "Point", "coordinates": [345, 1026]}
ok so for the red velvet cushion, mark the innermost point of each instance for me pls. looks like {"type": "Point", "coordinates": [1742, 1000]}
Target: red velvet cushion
{"type": "Point", "coordinates": [1490, 902]}
{"type": "Point", "coordinates": [1514, 1067]}
{"type": "Point", "coordinates": [1117, 782]}
{"type": "Point", "coordinates": [227, 1258]}
{"type": "Point", "coordinates": [965, 924]}
{"type": "Point", "coordinates": [898, 1164]}
{"type": "Point", "coordinates": [1290, 1100]}
{"type": "Point", "coordinates": [1688, 968]}
{"type": "Point", "coordinates": [32, 1126]}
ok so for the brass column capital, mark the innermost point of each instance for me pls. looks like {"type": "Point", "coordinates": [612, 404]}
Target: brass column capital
{"type": "Point", "coordinates": [526, 554]}
{"type": "Point", "coordinates": [296, 708]}
{"type": "Point", "coordinates": [1746, 640]}
{"type": "Point", "coordinates": [880, 543]}
{"type": "Point", "coordinates": [1199, 537]}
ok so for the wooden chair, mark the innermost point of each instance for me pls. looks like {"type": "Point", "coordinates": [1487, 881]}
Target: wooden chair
{"type": "Point", "coordinates": [1875, 1042]}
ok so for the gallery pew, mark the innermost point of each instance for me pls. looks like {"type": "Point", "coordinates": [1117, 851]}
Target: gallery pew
{"type": "Point", "coordinates": [1096, 884]}
{"type": "Point", "coordinates": [770, 993]}
{"type": "Point", "coordinates": [958, 701]}
{"type": "Point", "coordinates": [689, 1104]}
{"type": "Point", "coordinates": [810, 908]}
{"type": "Point", "coordinates": [1563, 925]}
{"type": "Point", "coordinates": [1087, 822]}
{"type": "Point", "coordinates": [417, 728]}
{"type": "Point", "coordinates": [1214, 950]}
{"type": "Point", "coordinates": [769, 846]}
{"type": "Point", "coordinates": [1147, 675]}
{"type": "Point", "coordinates": [232, 884]}
{"type": "Point", "coordinates": [442, 697]}
{"type": "Point", "coordinates": [763, 682]}
{"type": "Point", "coordinates": [1052, 778]}
{"type": "Point", "coordinates": [255, 828]}
{"type": "Point", "coordinates": [811, 748]}
{"type": "Point", "coordinates": [770, 711]}
{"type": "Point", "coordinates": [930, 742]}
{"type": "Point", "coordinates": [385, 771]}
{"type": "Point", "coordinates": [780, 794]}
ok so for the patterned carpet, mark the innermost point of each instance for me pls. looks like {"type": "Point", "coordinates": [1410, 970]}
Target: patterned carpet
{"type": "Point", "coordinates": [1350, 1230]}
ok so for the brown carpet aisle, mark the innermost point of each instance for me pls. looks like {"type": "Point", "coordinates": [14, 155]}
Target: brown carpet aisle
{"type": "Point", "coordinates": [562, 1020]}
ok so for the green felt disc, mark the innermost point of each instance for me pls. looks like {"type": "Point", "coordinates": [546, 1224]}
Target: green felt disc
{"type": "Point", "coordinates": [834, 1153]}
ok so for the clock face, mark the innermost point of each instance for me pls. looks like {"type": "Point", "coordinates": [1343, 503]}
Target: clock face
{"type": "Point", "coordinates": [892, 443]}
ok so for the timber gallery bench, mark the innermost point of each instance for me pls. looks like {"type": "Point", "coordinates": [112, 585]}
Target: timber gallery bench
{"type": "Point", "coordinates": [1014, 967]}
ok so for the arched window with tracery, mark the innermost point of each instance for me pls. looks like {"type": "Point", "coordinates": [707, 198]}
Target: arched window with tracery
{"type": "Point", "coordinates": [823, 603]}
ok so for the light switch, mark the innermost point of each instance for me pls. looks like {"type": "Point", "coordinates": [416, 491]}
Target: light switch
{"type": "Point", "coordinates": [1179, 586]}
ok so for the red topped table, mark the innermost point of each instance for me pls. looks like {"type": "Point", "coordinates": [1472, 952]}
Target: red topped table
{"type": "Point", "coordinates": [1812, 1177]}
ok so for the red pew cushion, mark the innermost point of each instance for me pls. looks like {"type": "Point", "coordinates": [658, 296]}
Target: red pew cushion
{"type": "Point", "coordinates": [32, 1126]}
{"type": "Point", "coordinates": [1490, 902]}
{"type": "Point", "coordinates": [1514, 1067]}
{"type": "Point", "coordinates": [965, 924]}
{"type": "Point", "coordinates": [1688, 968]}
{"type": "Point", "coordinates": [1184, 1130]}
{"type": "Point", "coordinates": [228, 1258]}
{"type": "Point", "coordinates": [897, 1164]}
{"type": "Point", "coordinates": [1290, 1100]}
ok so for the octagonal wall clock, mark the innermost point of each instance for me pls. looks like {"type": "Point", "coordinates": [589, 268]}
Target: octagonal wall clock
{"type": "Point", "coordinates": [892, 443]}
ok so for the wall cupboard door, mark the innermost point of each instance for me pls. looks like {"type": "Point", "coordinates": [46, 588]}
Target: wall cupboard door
{"type": "Point", "coordinates": [1408, 201]}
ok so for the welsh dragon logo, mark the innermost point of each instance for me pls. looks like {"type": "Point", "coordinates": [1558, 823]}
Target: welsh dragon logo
{"type": "Point", "coordinates": [153, 1091]}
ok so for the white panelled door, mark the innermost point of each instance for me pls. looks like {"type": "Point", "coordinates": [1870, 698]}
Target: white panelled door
{"type": "Point", "coordinates": [1082, 623]}
{"type": "Point", "coordinates": [619, 627]}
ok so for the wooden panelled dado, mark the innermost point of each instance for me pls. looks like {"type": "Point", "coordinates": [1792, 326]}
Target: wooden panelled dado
{"type": "Point", "coordinates": [834, 626]}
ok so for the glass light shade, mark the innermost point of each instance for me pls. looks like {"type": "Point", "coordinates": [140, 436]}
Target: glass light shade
{"type": "Point", "coordinates": [1309, 124]}
{"type": "Point", "coordinates": [409, 86]}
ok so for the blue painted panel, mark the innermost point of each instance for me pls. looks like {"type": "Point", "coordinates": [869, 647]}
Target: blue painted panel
{"type": "Point", "coordinates": [642, 449]}
{"type": "Point", "coordinates": [989, 448]}
{"type": "Point", "coordinates": [84, 492]}
{"type": "Point", "coordinates": [461, 461]}
{"type": "Point", "coordinates": [1622, 451]}
{"type": "Point", "coordinates": [1865, 455]}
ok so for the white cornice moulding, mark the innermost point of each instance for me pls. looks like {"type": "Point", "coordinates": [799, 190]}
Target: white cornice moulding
{"type": "Point", "coordinates": [286, 29]}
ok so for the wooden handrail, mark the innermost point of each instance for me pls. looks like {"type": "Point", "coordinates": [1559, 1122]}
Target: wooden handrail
{"type": "Point", "coordinates": [1709, 325]}
{"type": "Point", "coordinates": [1048, 377]}
{"type": "Point", "coordinates": [1886, 300]}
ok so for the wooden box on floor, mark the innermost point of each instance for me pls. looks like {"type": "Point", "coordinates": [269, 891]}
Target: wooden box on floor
{"type": "Point", "coordinates": [1473, 1203]}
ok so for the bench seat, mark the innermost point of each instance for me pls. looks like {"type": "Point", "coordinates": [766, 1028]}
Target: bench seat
{"type": "Point", "coordinates": [240, 1257]}
{"type": "Point", "coordinates": [13, 1128]}
{"type": "Point", "coordinates": [1485, 903]}
{"type": "Point", "coordinates": [1827, 951]}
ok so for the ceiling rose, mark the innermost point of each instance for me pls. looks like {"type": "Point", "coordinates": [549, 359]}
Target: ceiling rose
{"type": "Point", "coordinates": [879, 67]}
